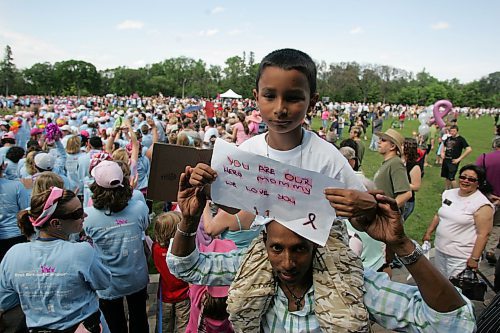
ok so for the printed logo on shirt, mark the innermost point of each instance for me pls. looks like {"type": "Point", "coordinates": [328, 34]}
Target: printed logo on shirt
{"type": "Point", "coordinates": [121, 221]}
{"type": "Point", "coordinates": [47, 269]}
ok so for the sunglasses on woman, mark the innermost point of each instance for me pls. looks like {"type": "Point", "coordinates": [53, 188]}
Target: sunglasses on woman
{"type": "Point", "coordinates": [470, 179]}
{"type": "Point", "coordinates": [75, 215]}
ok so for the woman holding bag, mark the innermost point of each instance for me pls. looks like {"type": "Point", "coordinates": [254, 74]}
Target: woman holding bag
{"type": "Point", "coordinates": [462, 224]}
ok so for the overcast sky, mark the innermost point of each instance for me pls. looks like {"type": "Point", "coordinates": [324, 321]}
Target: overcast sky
{"type": "Point", "coordinates": [448, 38]}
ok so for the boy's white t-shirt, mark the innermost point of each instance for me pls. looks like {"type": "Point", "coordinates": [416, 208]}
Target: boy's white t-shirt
{"type": "Point", "coordinates": [456, 232]}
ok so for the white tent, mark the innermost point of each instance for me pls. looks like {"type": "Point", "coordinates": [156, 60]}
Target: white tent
{"type": "Point", "coordinates": [230, 94]}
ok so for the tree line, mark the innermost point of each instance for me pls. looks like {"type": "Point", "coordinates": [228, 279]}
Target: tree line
{"type": "Point", "coordinates": [183, 76]}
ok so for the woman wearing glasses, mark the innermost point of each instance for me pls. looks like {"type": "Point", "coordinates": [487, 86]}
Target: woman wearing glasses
{"type": "Point", "coordinates": [54, 280]}
{"type": "Point", "coordinates": [462, 223]}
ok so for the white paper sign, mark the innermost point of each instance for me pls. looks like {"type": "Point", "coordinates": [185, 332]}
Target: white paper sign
{"type": "Point", "coordinates": [292, 196]}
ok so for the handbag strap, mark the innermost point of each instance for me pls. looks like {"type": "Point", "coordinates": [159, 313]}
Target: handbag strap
{"type": "Point", "coordinates": [485, 279]}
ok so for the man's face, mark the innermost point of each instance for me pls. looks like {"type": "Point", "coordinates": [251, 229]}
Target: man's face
{"type": "Point", "coordinates": [290, 254]}
{"type": "Point", "coordinates": [384, 146]}
{"type": "Point", "coordinates": [453, 132]}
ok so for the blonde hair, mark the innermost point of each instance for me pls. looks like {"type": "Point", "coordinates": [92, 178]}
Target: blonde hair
{"type": "Point", "coordinates": [45, 181]}
{"type": "Point", "coordinates": [121, 154]}
{"type": "Point", "coordinates": [183, 140]}
{"type": "Point", "coordinates": [125, 168]}
{"type": "Point", "coordinates": [73, 145]}
{"type": "Point", "coordinates": [165, 226]}
{"type": "Point", "coordinates": [30, 163]}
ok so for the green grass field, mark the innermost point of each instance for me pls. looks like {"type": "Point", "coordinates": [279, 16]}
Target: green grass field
{"type": "Point", "coordinates": [478, 133]}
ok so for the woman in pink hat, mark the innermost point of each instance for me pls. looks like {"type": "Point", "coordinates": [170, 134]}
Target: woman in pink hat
{"type": "Point", "coordinates": [254, 120]}
{"type": "Point", "coordinates": [116, 226]}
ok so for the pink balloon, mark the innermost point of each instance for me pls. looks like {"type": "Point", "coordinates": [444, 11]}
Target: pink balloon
{"type": "Point", "coordinates": [438, 116]}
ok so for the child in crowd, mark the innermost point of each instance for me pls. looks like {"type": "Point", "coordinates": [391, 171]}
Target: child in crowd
{"type": "Point", "coordinates": [173, 298]}
{"type": "Point", "coordinates": [209, 303]}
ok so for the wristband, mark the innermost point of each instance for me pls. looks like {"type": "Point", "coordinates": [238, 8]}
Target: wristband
{"type": "Point", "coordinates": [185, 234]}
{"type": "Point", "coordinates": [475, 259]}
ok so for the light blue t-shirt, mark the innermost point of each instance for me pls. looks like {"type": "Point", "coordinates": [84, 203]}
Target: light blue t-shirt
{"type": "Point", "coordinates": [54, 281]}
{"type": "Point", "coordinates": [72, 171]}
{"type": "Point", "coordinates": [143, 167]}
{"type": "Point", "coordinates": [117, 238]}
{"type": "Point", "coordinates": [11, 170]}
{"type": "Point", "coordinates": [13, 198]}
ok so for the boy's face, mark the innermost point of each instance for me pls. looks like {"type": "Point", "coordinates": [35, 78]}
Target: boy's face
{"type": "Point", "coordinates": [283, 98]}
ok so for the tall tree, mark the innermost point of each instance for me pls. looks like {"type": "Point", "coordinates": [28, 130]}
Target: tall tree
{"type": "Point", "coordinates": [7, 70]}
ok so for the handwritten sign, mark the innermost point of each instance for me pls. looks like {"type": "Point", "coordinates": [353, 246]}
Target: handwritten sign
{"type": "Point", "coordinates": [292, 196]}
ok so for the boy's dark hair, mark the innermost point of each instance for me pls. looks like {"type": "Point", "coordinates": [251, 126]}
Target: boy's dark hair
{"type": "Point", "coordinates": [288, 59]}
{"type": "Point", "coordinates": [454, 127]}
{"type": "Point", "coordinates": [15, 153]}
{"type": "Point", "coordinates": [211, 122]}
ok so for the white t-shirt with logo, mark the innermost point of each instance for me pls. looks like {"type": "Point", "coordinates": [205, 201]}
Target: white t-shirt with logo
{"type": "Point", "coordinates": [456, 232]}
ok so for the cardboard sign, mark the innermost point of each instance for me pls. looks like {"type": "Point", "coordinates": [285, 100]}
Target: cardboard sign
{"type": "Point", "coordinates": [292, 196]}
{"type": "Point", "coordinates": [168, 162]}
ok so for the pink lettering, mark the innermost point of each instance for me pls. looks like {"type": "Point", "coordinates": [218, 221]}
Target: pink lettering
{"type": "Point", "coordinates": [238, 164]}
{"type": "Point", "coordinates": [233, 184]}
{"type": "Point", "coordinates": [286, 198]}
{"type": "Point", "coordinates": [266, 169]}
{"type": "Point", "coordinates": [232, 172]}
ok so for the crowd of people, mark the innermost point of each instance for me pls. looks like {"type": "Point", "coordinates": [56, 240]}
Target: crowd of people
{"type": "Point", "coordinates": [74, 215]}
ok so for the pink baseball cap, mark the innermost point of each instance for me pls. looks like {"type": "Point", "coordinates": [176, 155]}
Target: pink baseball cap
{"type": "Point", "coordinates": [9, 135]}
{"type": "Point", "coordinates": [108, 174]}
{"type": "Point", "coordinates": [35, 131]}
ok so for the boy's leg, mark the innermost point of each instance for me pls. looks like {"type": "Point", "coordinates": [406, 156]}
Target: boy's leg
{"type": "Point", "coordinates": [137, 315]}
{"type": "Point", "coordinates": [182, 310]}
{"type": "Point", "coordinates": [167, 318]}
{"type": "Point", "coordinates": [114, 313]}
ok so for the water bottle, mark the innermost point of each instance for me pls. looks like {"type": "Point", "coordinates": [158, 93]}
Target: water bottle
{"type": "Point", "coordinates": [426, 247]}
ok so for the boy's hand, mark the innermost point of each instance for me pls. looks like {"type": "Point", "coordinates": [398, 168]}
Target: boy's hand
{"type": "Point", "coordinates": [202, 175]}
{"type": "Point", "coordinates": [351, 203]}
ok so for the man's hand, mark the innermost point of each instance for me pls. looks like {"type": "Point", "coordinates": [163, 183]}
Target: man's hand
{"type": "Point", "coordinates": [387, 226]}
{"type": "Point", "coordinates": [455, 161]}
{"type": "Point", "coordinates": [191, 199]}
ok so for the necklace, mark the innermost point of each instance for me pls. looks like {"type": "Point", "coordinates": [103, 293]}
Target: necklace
{"type": "Point", "coordinates": [297, 300]}
{"type": "Point", "coordinates": [301, 140]}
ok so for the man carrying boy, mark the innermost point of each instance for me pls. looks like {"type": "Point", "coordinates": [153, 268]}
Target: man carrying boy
{"type": "Point", "coordinates": [287, 283]}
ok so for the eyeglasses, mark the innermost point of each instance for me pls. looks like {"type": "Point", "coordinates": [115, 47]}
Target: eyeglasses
{"type": "Point", "coordinates": [470, 179]}
{"type": "Point", "coordinates": [75, 215]}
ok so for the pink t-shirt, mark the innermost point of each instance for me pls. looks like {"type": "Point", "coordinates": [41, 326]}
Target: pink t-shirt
{"type": "Point", "coordinates": [241, 136]}
{"type": "Point", "coordinates": [325, 115]}
{"type": "Point", "coordinates": [456, 232]}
